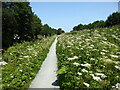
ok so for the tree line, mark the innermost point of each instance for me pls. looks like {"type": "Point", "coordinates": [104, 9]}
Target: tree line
{"type": "Point", "coordinates": [19, 23]}
{"type": "Point", "coordinates": [113, 19]}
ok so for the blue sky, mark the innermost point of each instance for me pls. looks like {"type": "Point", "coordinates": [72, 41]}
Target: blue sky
{"type": "Point", "coordinates": [66, 15]}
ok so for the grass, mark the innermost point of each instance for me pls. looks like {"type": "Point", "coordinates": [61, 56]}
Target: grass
{"type": "Point", "coordinates": [22, 62]}
{"type": "Point", "coordinates": [89, 59]}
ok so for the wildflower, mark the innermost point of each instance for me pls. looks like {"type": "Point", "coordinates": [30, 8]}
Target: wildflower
{"type": "Point", "coordinates": [3, 63]}
{"type": "Point", "coordinates": [75, 57]}
{"type": "Point", "coordinates": [84, 70]}
{"type": "Point", "coordinates": [102, 53]}
{"type": "Point", "coordinates": [11, 76]}
{"type": "Point", "coordinates": [101, 74]}
{"type": "Point", "coordinates": [29, 48]}
{"type": "Point", "coordinates": [20, 70]}
{"type": "Point", "coordinates": [86, 84]}
{"type": "Point", "coordinates": [76, 64]}
{"type": "Point", "coordinates": [113, 86]}
{"type": "Point", "coordinates": [95, 77]}
{"type": "Point", "coordinates": [114, 56]}
{"type": "Point", "coordinates": [77, 78]}
{"type": "Point", "coordinates": [117, 76]}
{"type": "Point", "coordinates": [68, 46]}
{"type": "Point", "coordinates": [92, 59]}
{"type": "Point", "coordinates": [86, 65]}
{"type": "Point", "coordinates": [92, 45]}
{"type": "Point", "coordinates": [116, 62]}
{"type": "Point", "coordinates": [117, 67]}
{"type": "Point", "coordinates": [25, 56]}
{"type": "Point", "coordinates": [104, 50]}
{"type": "Point", "coordinates": [79, 73]}
{"type": "Point", "coordinates": [117, 85]}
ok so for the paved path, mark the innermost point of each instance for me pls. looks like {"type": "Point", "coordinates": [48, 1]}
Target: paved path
{"type": "Point", "coordinates": [46, 77]}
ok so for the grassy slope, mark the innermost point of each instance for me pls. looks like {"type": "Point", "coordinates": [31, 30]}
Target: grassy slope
{"type": "Point", "coordinates": [89, 58]}
{"type": "Point", "coordinates": [24, 61]}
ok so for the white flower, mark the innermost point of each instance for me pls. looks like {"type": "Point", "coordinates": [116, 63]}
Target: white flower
{"type": "Point", "coordinates": [116, 62]}
{"type": "Point", "coordinates": [90, 72]}
{"type": "Point", "coordinates": [79, 73]}
{"type": "Point", "coordinates": [117, 85]}
{"type": "Point", "coordinates": [113, 86]}
{"type": "Point", "coordinates": [20, 70]}
{"type": "Point", "coordinates": [84, 70]}
{"type": "Point", "coordinates": [3, 63]}
{"type": "Point", "coordinates": [25, 56]}
{"type": "Point", "coordinates": [86, 65]}
{"type": "Point", "coordinates": [76, 64]}
{"type": "Point", "coordinates": [86, 84]}
{"type": "Point", "coordinates": [104, 50]}
{"type": "Point", "coordinates": [92, 59]}
{"type": "Point", "coordinates": [102, 53]}
{"type": "Point", "coordinates": [101, 74]}
{"type": "Point", "coordinates": [29, 48]}
{"type": "Point", "coordinates": [92, 45]}
{"type": "Point", "coordinates": [114, 56]}
{"type": "Point", "coordinates": [77, 78]}
{"type": "Point", "coordinates": [95, 78]}
{"type": "Point", "coordinates": [11, 76]}
{"type": "Point", "coordinates": [117, 67]}
{"type": "Point", "coordinates": [75, 57]}
{"type": "Point", "coordinates": [68, 46]}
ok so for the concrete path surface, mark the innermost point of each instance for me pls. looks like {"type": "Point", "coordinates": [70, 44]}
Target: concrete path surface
{"type": "Point", "coordinates": [46, 77]}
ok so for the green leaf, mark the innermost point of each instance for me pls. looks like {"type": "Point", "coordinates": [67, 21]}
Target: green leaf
{"type": "Point", "coordinates": [62, 70]}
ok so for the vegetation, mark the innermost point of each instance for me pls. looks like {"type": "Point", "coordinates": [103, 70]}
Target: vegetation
{"type": "Point", "coordinates": [22, 33]}
{"type": "Point", "coordinates": [21, 24]}
{"type": "Point", "coordinates": [21, 63]}
{"type": "Point", "coordinates": [89, 59]}
{"type": "Point", "coordinates": [112, 20]}
{"type": "Point", "coordinates": [86, 59]}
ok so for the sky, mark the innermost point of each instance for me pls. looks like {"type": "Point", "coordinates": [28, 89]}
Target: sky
{"type": "Point", "coordinates": [66, 15]}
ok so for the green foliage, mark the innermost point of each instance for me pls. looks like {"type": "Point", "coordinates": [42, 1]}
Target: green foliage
{"type": "Point", "coordinates": [89, 59]}
{"type": "Point", "coordinates": [95, 24]}
{"type": "Point", "coordinates": [23, 62]}
{"type": "Point", "coordinates": [60, 31]}
{"type": "Point", "coordinates": [17, 26]}
{"type": "Point", "coordinates": [113, 19]}
{"type": "Point", "coordinates": [21, 24]}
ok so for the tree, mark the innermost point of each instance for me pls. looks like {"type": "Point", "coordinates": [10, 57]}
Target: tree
{"type": "Point", "coordinates": [17, 22]}
{"type": "Point", "coordinates": [60, 31]}
{"type": "Point", "coordinates": [45, 30]}
{"type": "Point", "coordinates": [113, 19]}
{"type": "Point", "coordinates": [36, 26]}
{"type": "Point", "coordinates": [9, 25]}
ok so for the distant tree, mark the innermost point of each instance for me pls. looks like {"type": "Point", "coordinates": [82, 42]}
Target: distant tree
{"type": "Point", "coordinates": [113, 19]}
{"type": "Point", "coordinates": [36, 26]}
{"type": "Point", "coordinates": [60, 31]}
{"type": "Point", "coordinates": [45, 30]}
{"type": "Point", "coordinates": [78, 28]}
{"type": "Point", "coordinates": [98, 24]}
